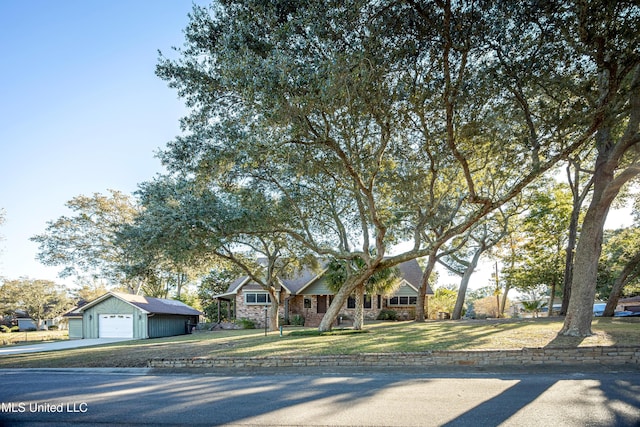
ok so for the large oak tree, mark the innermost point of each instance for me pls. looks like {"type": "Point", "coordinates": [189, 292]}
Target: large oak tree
{"type": "Point", "coordinates": [377, 122]}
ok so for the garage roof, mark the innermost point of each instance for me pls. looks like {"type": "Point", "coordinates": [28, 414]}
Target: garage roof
{"type": "Point", "coordinates": [147, 304]}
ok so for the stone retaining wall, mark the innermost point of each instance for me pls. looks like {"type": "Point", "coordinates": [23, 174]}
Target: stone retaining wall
{"type": "Point", "coordinates": [472, 358]}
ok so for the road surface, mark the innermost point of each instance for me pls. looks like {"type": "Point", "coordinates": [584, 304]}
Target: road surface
{"type": "Point", "coordinates": [143, 397]}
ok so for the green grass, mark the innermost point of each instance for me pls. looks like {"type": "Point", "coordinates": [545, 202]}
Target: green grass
{"type": "Point", "coordinates": [381, 337]}
{"type": "Point", "coordinates": [31, 337]}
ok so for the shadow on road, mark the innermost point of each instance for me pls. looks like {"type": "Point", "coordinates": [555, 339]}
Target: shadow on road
{"type": "Point", "coordinates": [322, 399]}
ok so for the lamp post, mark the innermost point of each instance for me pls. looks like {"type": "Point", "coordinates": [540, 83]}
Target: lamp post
{"type": "Point", "coordinates": [266, 319]}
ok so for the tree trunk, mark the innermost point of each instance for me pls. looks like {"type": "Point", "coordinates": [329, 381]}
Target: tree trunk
{"type": "Point", "coordinates": [551, 297]}
{"type": "Point", "coordinates": [358, 320]}
{"type": "Point", "coordinates": [274, 310]}
{"type": "Point", "coordinates": [274, 318]}
{"type": "Point", "coordinates": [181, 279]}
{"type": "Point", "coordinates": [507, 288]}
{"type": "Point", "coordinates": [422, 290]}
{"type": "Point", "coordinates": [585, 268]}
{"type": "Point", "coordinates": [464, 283]}
{"type": "Point", "coordinates": [341, 297]}
{"type": "Point", "coordinates": [606, 187]}
{"type": "Point", "coordinates": [585, 272]}
{"type": "Point", "coordinates": [568, 266]}
{"type": "Point", "coordinates": [618, 285]}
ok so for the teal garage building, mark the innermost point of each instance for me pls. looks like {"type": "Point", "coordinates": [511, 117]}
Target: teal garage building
{"type": "Point", "coordinates": [120, 315]}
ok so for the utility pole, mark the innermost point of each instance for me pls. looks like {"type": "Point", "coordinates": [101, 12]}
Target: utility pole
{"type": "Point", "coordinates": [497, 292]}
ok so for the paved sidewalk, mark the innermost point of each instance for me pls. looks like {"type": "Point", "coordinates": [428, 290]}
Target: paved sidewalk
{"type": "Point", "coordinates": [58, 345]}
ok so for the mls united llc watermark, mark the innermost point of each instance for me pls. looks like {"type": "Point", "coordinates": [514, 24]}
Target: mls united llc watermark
{"type": "Point", "coordinates": [43, 407]}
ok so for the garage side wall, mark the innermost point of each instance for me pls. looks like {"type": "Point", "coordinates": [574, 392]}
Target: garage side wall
{"type": "Point", "coordinates": [90, 322]}
{"type": "Point", "coordinates": [75, 328]}
{"type": "Point", "coordinates": [166, 325]}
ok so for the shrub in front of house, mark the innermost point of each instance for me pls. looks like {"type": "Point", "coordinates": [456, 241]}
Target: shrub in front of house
{"type": "Point", "coordinates": [297, 320]}
{"type": "Point", "coordinates": [388, 315]}
{"type": "Point", "coordinates": [245, 323]}
{"type": "Point", "coordinates": [5, 329]}
{"type": "Point", "coordinates": [53, 328]}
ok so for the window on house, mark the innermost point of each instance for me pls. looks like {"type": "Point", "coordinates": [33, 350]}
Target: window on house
{"type": "Point", "coordinates": [402, 301]}
{"type": "Point", "coordinates": [367, 301]}
{"type": "Point", "coordinates": [307, 303]}
{"type": "Point", "coordinates": [351, 302]}
{"type": "Point", "coordinates": [257, 298]}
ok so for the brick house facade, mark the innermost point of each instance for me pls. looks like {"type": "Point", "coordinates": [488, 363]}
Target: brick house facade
{"type": "Point", "coordinates": [307, 296]}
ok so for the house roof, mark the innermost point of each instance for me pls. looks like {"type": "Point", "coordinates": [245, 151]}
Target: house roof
{"type": "Point", "coordinates": [147, 304]}
{"type": "Point", "coordinates": [410, 272]}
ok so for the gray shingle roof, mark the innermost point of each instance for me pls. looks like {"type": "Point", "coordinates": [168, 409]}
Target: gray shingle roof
{"type": "Point", "coordinates": [149, 304]}
{"type": "Point", "coordinates": [409, 271]}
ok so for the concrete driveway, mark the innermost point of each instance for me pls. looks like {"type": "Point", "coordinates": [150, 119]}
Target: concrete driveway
{"type": "Point", "coordinates": [58, 345]}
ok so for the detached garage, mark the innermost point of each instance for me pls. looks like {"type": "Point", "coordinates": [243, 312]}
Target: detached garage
{"type": "Point", "coordinates": [119, 315]}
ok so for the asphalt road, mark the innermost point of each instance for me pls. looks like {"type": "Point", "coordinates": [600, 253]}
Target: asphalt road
{"type": "Point", "coordinates": [141, 397]}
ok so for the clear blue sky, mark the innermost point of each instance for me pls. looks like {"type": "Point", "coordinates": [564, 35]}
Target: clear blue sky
{"type": "Point", "coordinates": [81, 110]}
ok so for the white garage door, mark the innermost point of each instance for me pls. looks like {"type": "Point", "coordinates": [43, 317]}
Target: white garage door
{"type": "Point", "coordinates": [116, 326]}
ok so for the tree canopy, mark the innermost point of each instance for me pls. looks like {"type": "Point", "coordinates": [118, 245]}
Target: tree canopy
{"type": "Point", "coordinates": [85, 243]}
{"type": "Point", "coordinates": [372, 122]}
{"type": "Point", "coordinates": [339, 129]}
{"type": "Point", "coordinates": [40, 299]}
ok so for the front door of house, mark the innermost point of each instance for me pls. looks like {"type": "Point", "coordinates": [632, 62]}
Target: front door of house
{"type": "Point", "coordinates": [322, 303]}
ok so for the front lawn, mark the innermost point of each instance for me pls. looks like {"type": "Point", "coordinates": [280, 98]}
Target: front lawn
{"type": "Point", "coordinates": [31, 337]}
{"type": "Point", "coordinates": [384, 337]}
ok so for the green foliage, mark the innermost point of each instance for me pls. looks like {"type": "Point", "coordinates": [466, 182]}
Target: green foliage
{"type": "Point", "coordinates": [620, 254]}
{"type": "Point", "coordinates": [534, 306]}
{"type": "Point", "coordinates": [535, 251]}
{"type": "Point", "coordinates": [387, 314]}
{"type": "Point", "coordinates": [443, 300]}
{"type": "Point", "coordinates": [297, 320]}
{"type": "Point", "coordinates": [42, 299]}
{"type": "Point", "coordinates": [89, 291]}
{"type": "Point", "coordinates": [246, 323]}
{"type": "Point", "coordinates": [164, 250]}
{"type": "Point", "coordinates": [5, 329]}
{"type": "Point", "coordinates": [351, 124]}
{"type": "Point", "coordinates": [85, 243]}
{"type": "Point", "coordinates": [383, 281]}
{"type": "Point", "coordinates": [216, 282]}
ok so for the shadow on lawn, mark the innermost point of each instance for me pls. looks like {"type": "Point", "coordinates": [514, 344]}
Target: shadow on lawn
{"type": "Point", "coordinates": [561, 341]}
{"type": "Point", "coordinates": [613, 330]}
{"type": "Point", "coordinates": [446, 335]}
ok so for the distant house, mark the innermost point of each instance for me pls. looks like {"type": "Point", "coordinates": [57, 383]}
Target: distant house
{"type": "Point", "coordinates": [629, 304]}
{"type": "Point", "coordinates": [308, 295]}
{"type": "Point", "coordinates": [26, 323]}
{"type": "Point", "coordinates": [120, 315]}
